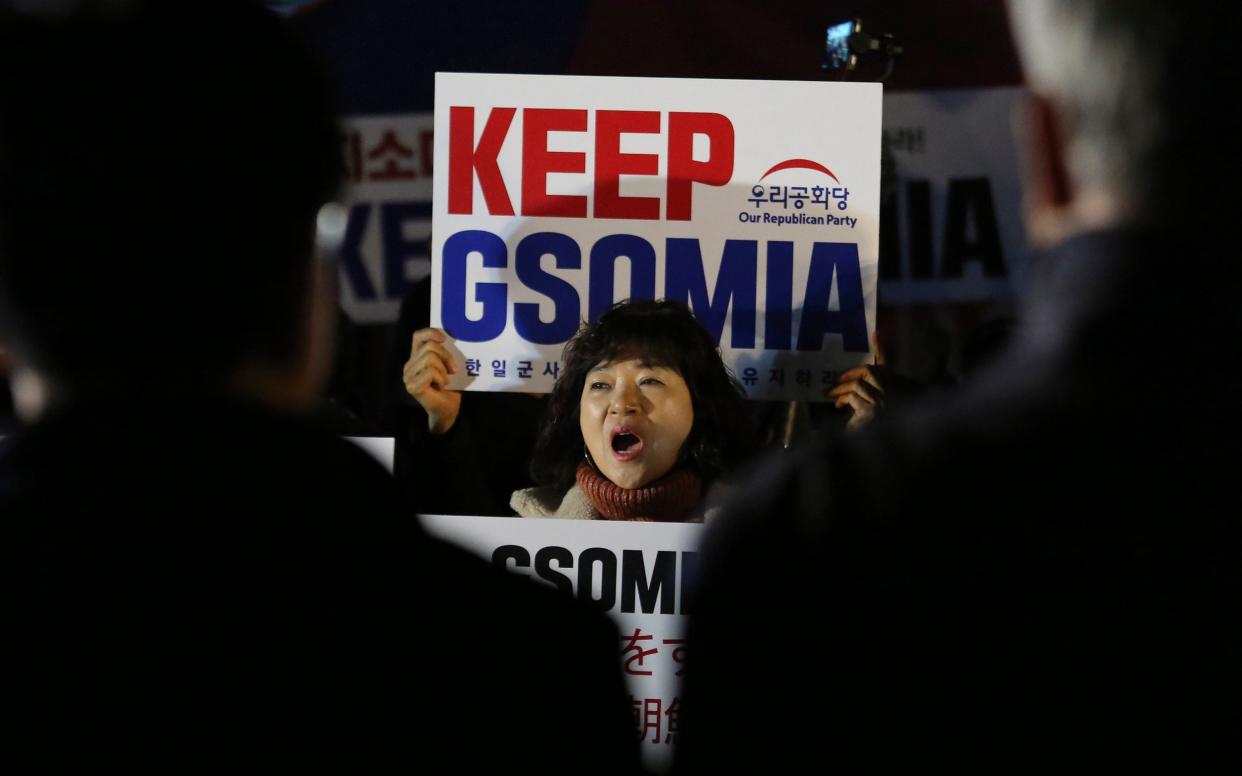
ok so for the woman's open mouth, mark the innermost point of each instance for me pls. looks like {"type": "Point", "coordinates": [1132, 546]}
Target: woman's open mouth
{"type": "Point", "coordinates": [626, 445]}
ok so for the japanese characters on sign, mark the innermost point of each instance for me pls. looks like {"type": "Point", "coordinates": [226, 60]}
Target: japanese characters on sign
{"type": "Point", "coordinates": [642, 574]}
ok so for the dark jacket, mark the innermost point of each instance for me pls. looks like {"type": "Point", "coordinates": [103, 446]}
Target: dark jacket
{"type": "Point", "coordinates": [203, 585]}
{"type": "Point", "coordinates": [1045, 569]}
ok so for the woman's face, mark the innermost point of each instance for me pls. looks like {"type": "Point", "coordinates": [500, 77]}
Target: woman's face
{"type": "Point", "coordinates": [635, 417]}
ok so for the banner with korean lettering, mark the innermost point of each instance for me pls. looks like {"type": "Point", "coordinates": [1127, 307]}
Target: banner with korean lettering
{"type": "Point", "coordinates": [640, 573]}
{"type": "Point", "coordinates": [756, 202]}
{"type": "Point", "coordinates": [387, 241]}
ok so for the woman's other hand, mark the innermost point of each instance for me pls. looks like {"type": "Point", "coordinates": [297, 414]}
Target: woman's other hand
{"type": "Point", "coordinates": [862, 389]}
{"type": "Point", "coordinates": [426, 376]}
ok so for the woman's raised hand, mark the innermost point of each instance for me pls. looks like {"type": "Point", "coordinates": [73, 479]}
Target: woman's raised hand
{"type": "Point", "coordinates": [426, 376]}
{"type": "Point", "coordinates": [862, 389]}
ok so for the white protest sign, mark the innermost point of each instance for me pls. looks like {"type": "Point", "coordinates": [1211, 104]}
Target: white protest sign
{"type": "Point", "coordinates": [757, 202]}
{"type": "Point", "coordinates": [952, 227]}
{"type": "Point", "coordinates": [638, 572]}
{"type": "Point", "coordinates": [382, 449]}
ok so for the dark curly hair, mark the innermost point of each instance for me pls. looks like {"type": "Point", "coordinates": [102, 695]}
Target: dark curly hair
{"type": "Point", "coordinates": [662, 333]}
